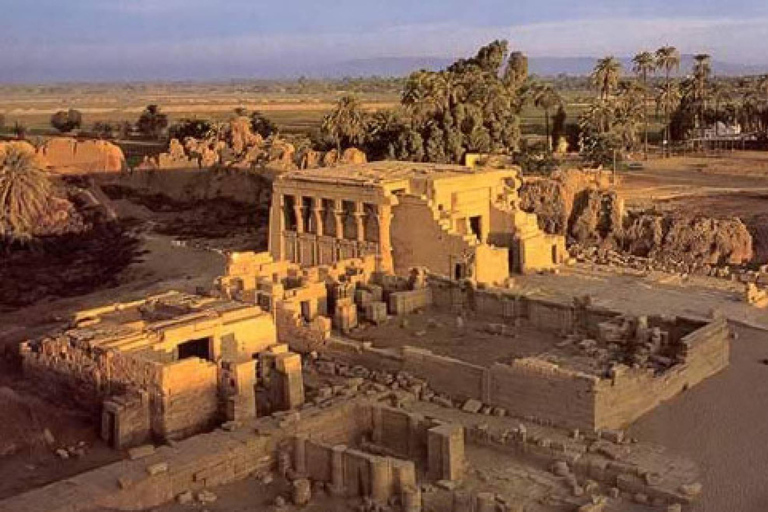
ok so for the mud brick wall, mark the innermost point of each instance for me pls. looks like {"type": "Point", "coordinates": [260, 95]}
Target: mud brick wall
{"type": "Point", "coordinates": [456, 378]}
{"type": "Point", "coordinates": [533, 388]}
{"type": "Point", "coordinates": [634, 392]}
{"type": "Point", "coordinates": [84, 376]}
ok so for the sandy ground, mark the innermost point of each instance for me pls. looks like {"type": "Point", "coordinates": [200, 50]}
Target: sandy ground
{"type": "Point", "coordinates": [657, 293]}
{"type": "Point", "coordinates": [665, 178]}
{"type": "Point", "coordinates": [723, 424]}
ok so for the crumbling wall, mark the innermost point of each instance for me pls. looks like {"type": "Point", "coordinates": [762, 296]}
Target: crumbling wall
{"type": "Point", "coordinates": [634, 392]}
{"type": "Point", "coordinates": [552, 199]}
{"type": "Point", "coordinates": [200, 462]}
{"type": "Point", "coordinates": [300, 335]}
{"type": "Point", "coordinates": [418, 240]}
{"type": "Point", "coordinates": [83, 376]}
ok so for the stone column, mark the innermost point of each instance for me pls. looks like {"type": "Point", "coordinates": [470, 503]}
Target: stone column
{"type": "Point", "coordinates": [317, 215]}
{"type": "Point", "coordinates": [338, 213]}
{"type": "Point", "coordinates": [360, 221]}
{"type": "Point", "coordinates": [337, 470]}
{"type": "Point", "coordinates": [381, 479]}
{"type": "Point", "coordinates": [298, 208]}
{"type": "Point", "coordinates": [300, 455]}
{"type": "Point", "coordinates": [277, 227]}
{"type": "Point", "coordinates": [384, 218]}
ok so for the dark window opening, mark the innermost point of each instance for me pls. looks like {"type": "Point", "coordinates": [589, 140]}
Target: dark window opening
{"type": "Point", "coordinates": [475, 224]}
{"type": "Point", "coordinates": [306, 311]}
{"type": "Point", "coordinates": [308, 216]}
{"type": "Point", "coordinates": [290, 213]}
{"type": "Point", "coordinates": [459, 271]}
{"type": "Point", "coordinates": [554, 254]}
{"type": "Point", "coordinates": [200, 348]}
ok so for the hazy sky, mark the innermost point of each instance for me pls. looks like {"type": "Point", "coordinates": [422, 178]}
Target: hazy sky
{"type": "Point", "coordinates": [144, 39]}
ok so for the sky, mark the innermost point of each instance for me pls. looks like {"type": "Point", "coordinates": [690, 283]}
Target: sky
{"type": "Point", "coordinates": [82, 40]}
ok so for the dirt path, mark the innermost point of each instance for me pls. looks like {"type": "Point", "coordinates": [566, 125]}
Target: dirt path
{"type": "Point", "coordinates": [723, 425]}
{"type": "Point", "coordinates": [164, 266]}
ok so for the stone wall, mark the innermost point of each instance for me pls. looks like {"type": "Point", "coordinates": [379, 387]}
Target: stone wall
{"type": "Point", "coordinates": [194, 464]}
{"type": "Point", "coordinates": [535, 388]}
{"type": "Point", "coordinates": [402, 303]}
{"type": "Point", "coordinates": [447, 375]}
{"type": "Point", "coordinates": [188, 397]}
{"type": "Point", "coordinates": [418, 240]}
{"type": "Point", "coordinates": [633, 393]}
{"type": "Point", "coordinates": [183, 396]}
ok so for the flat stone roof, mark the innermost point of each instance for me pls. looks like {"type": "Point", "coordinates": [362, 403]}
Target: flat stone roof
{"type": "Point", "coordinates": [388, 171]}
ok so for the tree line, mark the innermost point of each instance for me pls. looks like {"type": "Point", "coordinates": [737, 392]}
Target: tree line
{"type": "Point", "coordinates": [618, 118]}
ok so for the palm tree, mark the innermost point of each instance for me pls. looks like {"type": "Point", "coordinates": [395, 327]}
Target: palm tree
{"type": "Point", "coordinates": [667, 59]}
{"type": "Point", "coordinates": [629, 112]}
{"type": "Point", "coordinates": [546, 98]}
{"type": "Point", "coordinates": [643, 64]}
{"type": "Point", "coordinates": [24, 191]}
{"type": "Point", "coordinates": [702, 69]}
{"type": "Point", "coordinates": [721, 93]}
{"type": "Point", "coordinates": [605, 76]}
{"type": "Point", "coordinates": [346, 123]}
{"type": "Point", "coordinates": [667, 100]}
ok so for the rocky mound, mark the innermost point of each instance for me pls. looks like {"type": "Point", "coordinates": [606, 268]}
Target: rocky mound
{"type": "Point", "coordinates": [234, 145]}
{"type": "Point", "coordinates": [66, 155]}
{"type": "Point", "coordinates": [582, 206]}
{"type": "Point", "coordinates": [552, 199]}
{"type": "Point", "coordinates": [688, 239]}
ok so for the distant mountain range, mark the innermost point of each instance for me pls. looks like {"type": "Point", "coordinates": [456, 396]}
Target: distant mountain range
{"type": "Point", "coordinates": [542, 66]}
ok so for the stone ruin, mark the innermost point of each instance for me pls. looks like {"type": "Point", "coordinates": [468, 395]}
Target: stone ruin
{"type": "Point", "coordinates": [583, 206]}
{"type": "Point", "coordinates": [335, 376]}
{"type": "Point", "coordinates": [66, 155]}
{"type": "Point", "coordinates": [234, 145]}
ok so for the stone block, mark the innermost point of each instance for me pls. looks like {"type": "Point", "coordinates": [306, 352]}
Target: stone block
{"type": "Point", "coordinates": [472, 406]}
{"type": "Point", "coordinates": [445, 451]}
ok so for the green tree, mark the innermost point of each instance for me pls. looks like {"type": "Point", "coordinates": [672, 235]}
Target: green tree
{"type": "Point", "coordinates": [104, 129]}
{"type": "Point", "coordinates": [345, 125]}
{"type": "Point", "coordinates": [152, 122]}
{"type": "Point", "coordinates": [546, 98]}
{"type": "Point", "coordinates": [67, 120]}
{"type": "Point", "coordinates": [702, 69]}
{"type": "Point", "coordinates": [643, 65]}
{"type": "Point", "coordinates": [667, 60]}
{"type": "Point", "coordinates": [667, 100]}
{"type": "Point", "coordinates": [195, 128]}
{"type": "Point", "coordinates": [24, 192]}
{"type": "Point", "coordinates": [516, 72]}
{"type": "Point", "coordinates": [605, 77]}
{"type": "Point", "coordinates": [262, 125]}
{"type": "Point", "coordinates": [20, 130]}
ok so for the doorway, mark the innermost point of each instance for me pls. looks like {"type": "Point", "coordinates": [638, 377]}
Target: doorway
{"type": "Point", "coordinates": [200, 348]}
{"type": "Point", "coordinates": [476, 224]}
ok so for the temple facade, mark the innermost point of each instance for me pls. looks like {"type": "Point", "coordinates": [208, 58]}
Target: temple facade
{"type": "Point", "coordinates": [457, 221]}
